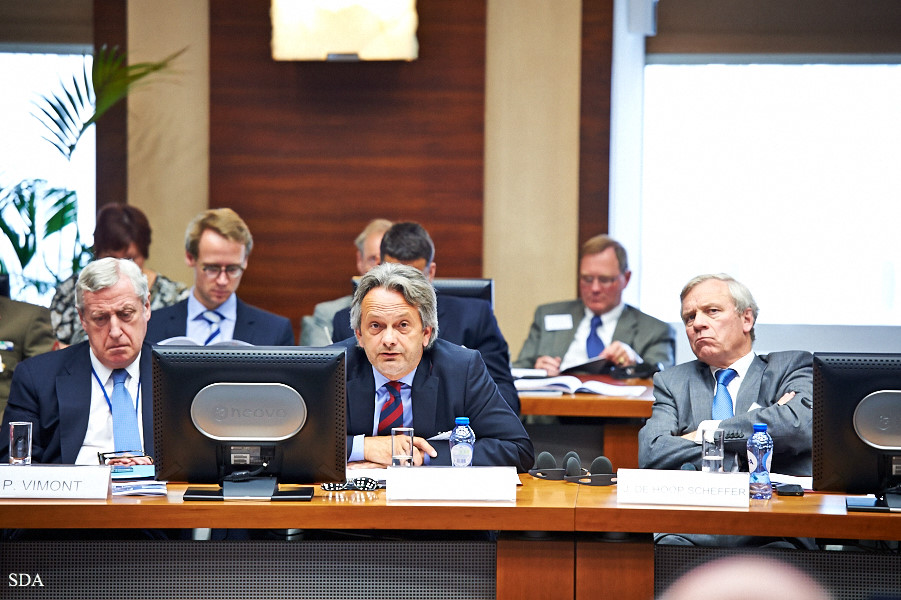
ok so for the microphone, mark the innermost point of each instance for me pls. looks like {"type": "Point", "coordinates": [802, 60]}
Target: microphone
{"type": "Point", "coordinates": [546, 468]}
{"type": "Point", "coordinates": [545, 460]}
{"type": "Point", "coordinates": [568, 455]}
{"type": "Point", "coordinates": [688, 467]}
{"type": "Point", "coordinates": [601, 465]}
{"type": "Point", "coordinates": [573, 467]}
{"type": "Point", "coordinates": [600, 473]}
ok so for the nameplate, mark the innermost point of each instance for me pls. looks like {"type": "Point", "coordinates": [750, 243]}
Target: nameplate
{"type": "Point", "coordinates": [54, 481]}
{"type": "Point", "coordinates": [686, 488]}
{"type": "Point", "coordinates": [460, 484]}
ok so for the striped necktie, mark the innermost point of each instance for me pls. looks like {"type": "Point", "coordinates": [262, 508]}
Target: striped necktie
{"type": "Point", "coordinates": [594, 345]}
{"type": "Point", "coordinates": [214, 319]}
{"type": "Point", "coordinates": [392, 414]}
{"type": "Point", "coordinates": [125, 418]}
{"type": "Point", "coordinates": [722, 400]}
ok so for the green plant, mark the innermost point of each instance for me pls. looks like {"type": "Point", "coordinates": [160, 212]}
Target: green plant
{"type": "Point", "coordinates": [32, 211]}
{"type": "Point", "coordinates": [69, 113]}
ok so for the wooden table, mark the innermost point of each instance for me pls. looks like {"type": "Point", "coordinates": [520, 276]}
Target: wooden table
{"type": "Point", "coordinates": [567, 560]}
{"type": "Point", "coordinates": [621, 569]}
{"type": "Point", "coordinates": [623, 416]}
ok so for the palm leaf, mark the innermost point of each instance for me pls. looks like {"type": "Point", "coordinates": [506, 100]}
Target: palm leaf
{"type": "Point", "coordinates": [68, 113]}
{"type": "Point", "coordinates": [63, 212]}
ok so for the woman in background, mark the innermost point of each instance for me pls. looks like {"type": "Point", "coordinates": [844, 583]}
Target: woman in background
{"type": "Point", "coordinates": [122, 231]}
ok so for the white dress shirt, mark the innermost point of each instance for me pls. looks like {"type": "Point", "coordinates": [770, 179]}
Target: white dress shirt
{"type": "Point", "coordinates": [577, 353]}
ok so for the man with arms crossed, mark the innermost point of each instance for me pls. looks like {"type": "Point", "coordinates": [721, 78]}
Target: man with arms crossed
{"type": "Point", "coordinates": [399, 374]}
{"type": "Point", "coordinates": [777, 389]}
{"type": "Point", "coordinates": [217, 245]}
{"type": "Point", "coordinates": [598, 324]}
{"type": "Point", "coordinates": [71, 395]}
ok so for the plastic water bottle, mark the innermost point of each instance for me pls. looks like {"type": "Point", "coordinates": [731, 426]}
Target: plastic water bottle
{"type": "Point", "coordinates": [462, 439]}
{"type": "Point", "coordinates": [760, 457]}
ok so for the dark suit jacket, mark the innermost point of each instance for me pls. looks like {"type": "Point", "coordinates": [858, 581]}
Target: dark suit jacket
{"type": "Point", "coordinates": [450, 382]}
{"type": "Point", "coordinates": [26, 328]}
{"type": "Point", "coordinates": [53, 391]}
{"type": "Point", "coordinates": [253, 325]}
{"type": "Point", "coordinates": [651, 338]}
{"type": "Point", "coordinates": [683, 397]}
{"type": "Point", "coordinates": [467, 322]}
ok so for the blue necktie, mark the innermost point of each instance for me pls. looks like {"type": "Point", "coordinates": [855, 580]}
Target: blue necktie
{"type": "Point", "coordinates": [722, 400]}
{"type": "Point", "coordinates": [594, 345]}
{"type": "Point", "coordinates": [125, 418]}
{"type": "Point", "coordinates": [213, 318]}
{"type": "Point", "coordinates": [392, 414]}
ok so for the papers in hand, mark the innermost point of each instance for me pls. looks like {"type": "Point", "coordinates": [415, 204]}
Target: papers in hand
{"type": "Point", "coordinates": [572, 385]}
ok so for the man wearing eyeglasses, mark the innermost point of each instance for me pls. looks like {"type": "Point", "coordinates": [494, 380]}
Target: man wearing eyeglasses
{"type": "Point", "coordinates": [598, 324]}
{"type": "Point", "coordinates": [217, 245]}
{"type": "Point", "coordinates": [92, 398]}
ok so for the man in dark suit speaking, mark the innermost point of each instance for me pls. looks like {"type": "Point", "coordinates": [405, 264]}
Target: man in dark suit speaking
{"type": "Point", "coordinates": [399, 374]}
{"type": "Point", "coordinates": [217, 245]}
{"type": "Point", "coordinates": [599, 324]}
{"type": "Point", "coordinates": [467, 322]}
{"type": "Point", "coordinates": [94, 396]}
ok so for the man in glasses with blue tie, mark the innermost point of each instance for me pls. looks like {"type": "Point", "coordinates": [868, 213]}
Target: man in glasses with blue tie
{"type": "Point", "coordinates": [217, 246]}
{"type": "Point", "coordinates": [92, 400]}
{"type": "Point", "coordinates": [728, 386]}
{"type": "Point", "coordinates": [568, 334]}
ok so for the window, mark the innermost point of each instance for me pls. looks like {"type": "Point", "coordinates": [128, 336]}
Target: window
{"type": "Point", "coordinates": [25, 155]}
{"type": "Point", "coordinates": [782, 175]}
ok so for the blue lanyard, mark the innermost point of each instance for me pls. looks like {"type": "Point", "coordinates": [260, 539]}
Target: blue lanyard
{"type": "Point", "coordinates": [106, 396]}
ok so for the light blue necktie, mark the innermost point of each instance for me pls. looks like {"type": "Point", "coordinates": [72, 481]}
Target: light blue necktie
{"type": "Point", "coordinates": [125, 418]}
{"type": "Point", "coordinates": [214, 319]}
{"type": "Point", "coordinates": [722, 400]}
{"type": "Point", "coordinates": [594, 345]}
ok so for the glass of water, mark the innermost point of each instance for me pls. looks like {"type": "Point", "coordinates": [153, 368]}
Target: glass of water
{"type": "Point", "coordinates": [712, 450]}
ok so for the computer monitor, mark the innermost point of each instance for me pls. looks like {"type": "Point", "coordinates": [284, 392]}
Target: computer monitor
{"type": "Point", "coordinates": [482, 289]}
{"type": "Point", "coordinates": [857, 423]}
{"type": "Point", "coordinates": [249, 417]}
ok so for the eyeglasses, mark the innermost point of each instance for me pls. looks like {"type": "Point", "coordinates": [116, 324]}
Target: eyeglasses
{"type": "Point", "coordinates": [105, 458]}
{"type": "Point", "coordinates": [213, 271]}
{"type": "Point", "coordinates": [362, 484]}
{"type": "Point", "coordinates": [590, 279]}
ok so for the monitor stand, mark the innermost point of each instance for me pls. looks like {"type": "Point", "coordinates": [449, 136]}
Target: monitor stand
{"type": "Point", "coordinates": [254, 488]}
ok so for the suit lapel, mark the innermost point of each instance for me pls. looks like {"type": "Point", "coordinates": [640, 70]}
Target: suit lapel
{"type": "Point", "coordinates": [750, 386]}
{"type": "Point", "coordinates": [425, 398]}
{"type": "Point", "coordinates": [244, 329]}
{"type": "Point", "coordinates": [73, 392]}
{"type": "Point", "coordinates": [626, 324]}
{"type": "Point", "coordinates": [701, 388]}
{"type": "Point", "coordinates": [360, 393]}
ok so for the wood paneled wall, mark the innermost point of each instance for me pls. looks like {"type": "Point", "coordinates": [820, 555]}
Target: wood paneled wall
{"type": "Point", "coordinates": [309, 152]}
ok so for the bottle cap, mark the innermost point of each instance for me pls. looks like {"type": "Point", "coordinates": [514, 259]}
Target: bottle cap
{"type": "Point", "coordinates": [759, 427]}
{"type": "Point", "coordinates": [462, 420]}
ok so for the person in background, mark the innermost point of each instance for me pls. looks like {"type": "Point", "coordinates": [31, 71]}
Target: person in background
{"type": "Point", "coordinates": [598, 324]}
{"type": "Point", "coordinates": [777, 388]}
{"type": "Point", "coordinates": [398, 373]}
{"type": "Point", "coordinates": [317, 331]}
{"type": "Point", "coordinates": [122, 231]}
{"type": "Point", "coordinates": [25, 331]}
{"type": "Point", "coordinates": [217, 246]}
{"type": "Point", "coordinates": [71, 395]}
{"type": "Point", "coordinates": [467, 322]}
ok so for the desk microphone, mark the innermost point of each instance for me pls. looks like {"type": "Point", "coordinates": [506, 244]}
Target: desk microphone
{"type": "Point", "coordinates": [546, 468]}
{"type": "Point", "coordinates": [600, 473]}
{"type": "Point", "coordinates": [688, 467]}
{"type": "Point", "coordinates": [573, 467]}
